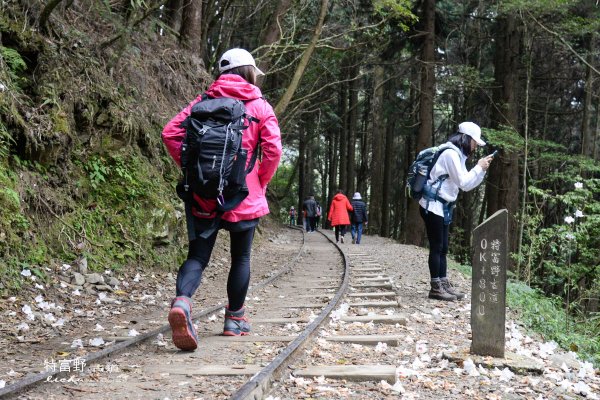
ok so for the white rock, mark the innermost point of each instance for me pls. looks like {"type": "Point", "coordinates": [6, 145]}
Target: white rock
{"type": "Point", "coordinates": [77, 344]}
{"type": "Point", "coordinates": [26, 272]}
{"type": "Point", "coordinates": [133, 332]}
{"type": "Point", "coordinates": [96, 342]}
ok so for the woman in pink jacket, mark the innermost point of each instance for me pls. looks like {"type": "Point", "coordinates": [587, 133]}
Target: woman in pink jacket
{"type": "Point", "coordinates": [237, 80]}
{"type": "Point", "coordinates": [338, 214]}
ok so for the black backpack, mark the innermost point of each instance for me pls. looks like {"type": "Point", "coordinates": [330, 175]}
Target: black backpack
{"type": "Point", "coordinates": [419, 170]}
{"type": "Point", "coordinates": [213, 161]}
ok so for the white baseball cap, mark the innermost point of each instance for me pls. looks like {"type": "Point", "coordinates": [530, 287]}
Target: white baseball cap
{"type": "Point", "coordinates": [234, 58]}
{"type": "Point", "coordinates": [473, 130]}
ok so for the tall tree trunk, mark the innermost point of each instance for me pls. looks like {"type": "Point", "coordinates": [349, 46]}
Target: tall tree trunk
{"type": "Point", "coordinates": [353, 89]}
{"type": "Point", "coordinates": [190, 34]}
{"type": "Point", "coordinates": [388, 167]}
{"type": "Point", "coordinates": [333, 162]}
{"type": "Point", "coordinates": [343, 132]}
{"type": "Point", "coordinates": [415, 227]}
{"type": "Point", "coordinates": [503, 177]}
{"type": "Point", "coordinates": [378, 136]}
{"type": "Point", "coordinates": [291, 89]}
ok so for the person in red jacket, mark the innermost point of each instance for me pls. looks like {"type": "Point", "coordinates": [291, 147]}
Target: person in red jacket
{"type": "Point", "coordinates": [338, 215]}
{"type": "Point", "coordinates": [237, 80]}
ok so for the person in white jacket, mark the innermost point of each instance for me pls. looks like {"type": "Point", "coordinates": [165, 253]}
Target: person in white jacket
{"type": "Point", "coordinates": [448, 175]}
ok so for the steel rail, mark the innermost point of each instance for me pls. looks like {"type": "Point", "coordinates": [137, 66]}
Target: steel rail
{"type": "Point", "coordinates": [258, 386]}
{"type": "Point", "coordinates": [33, 379]}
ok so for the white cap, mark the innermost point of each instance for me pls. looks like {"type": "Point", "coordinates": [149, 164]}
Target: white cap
{"type": "Point", "coordinates": [473, 130]}
{"type": "Point", "coordinates": [356, 196]}
{"type": "Point", "coordinates": [234, 58]}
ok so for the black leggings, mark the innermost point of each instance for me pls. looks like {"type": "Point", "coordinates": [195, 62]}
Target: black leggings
{"type": "Point", "coordinates": [339, 230]}
{"type": "Point", "coordinates": [190, 272]}
{"type": "Point", "coordinates": [437, 234]}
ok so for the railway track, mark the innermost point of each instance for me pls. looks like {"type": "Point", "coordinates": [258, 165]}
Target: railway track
{"type": "Point", "coordinates": [315, 303]}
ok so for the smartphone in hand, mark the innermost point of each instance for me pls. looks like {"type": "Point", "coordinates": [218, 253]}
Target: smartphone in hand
{"type": "Point", "coordinates": [493, 154]}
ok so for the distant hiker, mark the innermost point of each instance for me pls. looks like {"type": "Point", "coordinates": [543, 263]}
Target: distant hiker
{"type": "Point", "coordinates": [237, 80]}
{"type": "Point", "coordinates": [318, 215]}
{"type": "Point", "coordinates": [338, 215]}
{"type": "Point", "coordinates": [448, 175]}
{"type": "Point", "coordinates": [359, 217]}
{"type": "Point", "coordinates": [292, 214]}
{"type": "Point", "coordinates": [310, 207]}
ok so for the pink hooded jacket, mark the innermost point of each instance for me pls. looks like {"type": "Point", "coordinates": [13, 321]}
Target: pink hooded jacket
{"type": "Point", "coordinates": [267, 131]}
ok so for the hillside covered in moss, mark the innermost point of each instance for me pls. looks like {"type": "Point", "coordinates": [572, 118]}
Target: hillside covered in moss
{"type": "Point", "coordinates": [83, 171]}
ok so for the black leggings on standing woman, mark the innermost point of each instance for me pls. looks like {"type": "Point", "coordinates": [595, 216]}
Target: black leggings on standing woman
{"type": "Point", "coordinates": [437, 234]}
{"type": "Point", "coordinates": [190, 273]}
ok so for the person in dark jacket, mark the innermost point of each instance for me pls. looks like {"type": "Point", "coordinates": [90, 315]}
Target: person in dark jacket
{"type": "Point", "coordinates": [310, 207]}
{"type": "Point", "coordinates": [359, 217]}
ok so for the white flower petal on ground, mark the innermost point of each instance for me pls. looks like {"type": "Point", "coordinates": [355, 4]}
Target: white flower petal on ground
{"type": "Point", "coordinates": [12, 299]}
{"type": "Point", "coordinates": [101, 296]}
{"type": "Point", "coordinates": [425, 358]}
{"type": "Point", "coordinates": [398, 388]}
{"type": "Point", "coordinates": [417, 364]}
{"type": "Point", "coordinates": [76, 292]}
{"type": "Point", "coordinates": [566, 384]}
{"type": "Point", "coordinates": [586, 369]}
{"type": "Point", "coordinates": [38, 286]}
{"type": "Point", "coordinates": [546, 349]}
{"type": "Point", "coordinates": [22, 327]}
{"type": "Point", "coordinates": [49, 317]}
{"type": "Point", "coordinates": [133, 332]}
{"type": "Point", "coordinates": [301, 382]}
{"type": "Point", "coordinates": [60, 322]}
{"type": "Point", "coordinates": [77, 344]}
{"type": "Point", "coordinates": [137, 278]}
{"type": "Point", "coordinates": [26, 272]}
{"type": "Point", "coordinates": [39, 299]}
{"type": "Point", "coordinates": [96, 342]}
{"type": "Point", "coordinates": [27, 311]}
{"type": "Point", "coordinates": [2, 383]}
{"type": "Point", "coordinates": [583, 389]}
{"type": "Point", "coordinates": [402, 372]}
{"type": "Point", "coordinates": [470, 368]}
{"type": "Point", "coordinates": [212, 318]}
{"type": "Point", "coordinates": [321, 380]}
{"type": "Point", "coordinates": [421, 347]}
{"type": "Point", "coordinates": [340, 312]}
{"type": "Point", "coordinates": [381, 347]}
{"type": "Point", "coordinates": [385, 385]}
{"type": "Point", "coordinates": [506, 375]}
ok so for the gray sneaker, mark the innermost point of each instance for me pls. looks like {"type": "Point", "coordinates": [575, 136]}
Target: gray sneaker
{"type": "Point", "coordinates": [180, 319]}
{"type": "Point", "coordinates": [236, 324]}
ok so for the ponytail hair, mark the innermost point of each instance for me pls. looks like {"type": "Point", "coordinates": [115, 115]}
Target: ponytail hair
{"type": "Point", "coordinates": [463, 142]}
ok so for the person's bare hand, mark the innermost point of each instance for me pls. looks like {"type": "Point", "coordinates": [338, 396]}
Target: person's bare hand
{"type": "Point", "coordinates": [485, 162]}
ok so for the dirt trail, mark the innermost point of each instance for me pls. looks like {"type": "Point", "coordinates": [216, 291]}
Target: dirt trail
{"type": "Point", "coordinates": [434, 328]}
